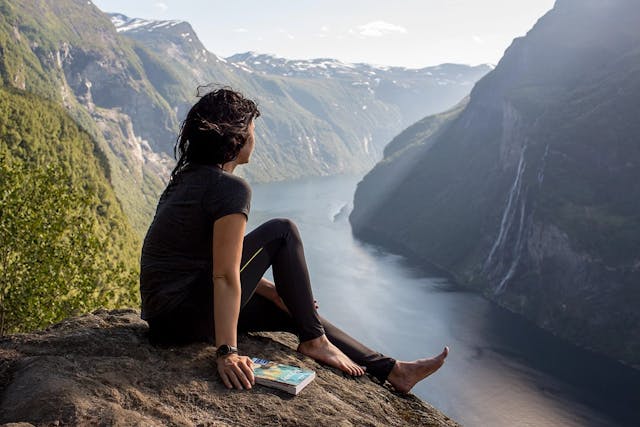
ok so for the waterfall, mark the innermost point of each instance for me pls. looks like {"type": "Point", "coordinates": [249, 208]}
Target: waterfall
{"type": "Point", "coordinates": [543, 165]}
{"type": "Point", "coordinates": [508, 214]}
{"type": "Point", "coordinates": [517, 252]}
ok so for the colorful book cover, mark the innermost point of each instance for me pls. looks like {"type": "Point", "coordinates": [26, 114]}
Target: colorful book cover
{"type": "Point", "coordinates": [284, 377]}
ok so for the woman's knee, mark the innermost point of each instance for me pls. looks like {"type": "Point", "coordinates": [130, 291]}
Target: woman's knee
{"type": "Point", "coordinates": [284, 226]}
{"type": "Point", "coordinates": [282, 229]}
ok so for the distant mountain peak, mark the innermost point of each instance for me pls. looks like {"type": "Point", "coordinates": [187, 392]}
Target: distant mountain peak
{"type": "Point", "coordinates": [258, 58]}
{"type": "Point", "coordinates": [125, 24]}
{"type": "Point", "coordinates": [252, 56]}
{"type": "Point", "coordinates": [266, 63]}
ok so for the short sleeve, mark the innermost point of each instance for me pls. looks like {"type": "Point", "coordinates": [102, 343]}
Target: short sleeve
{"type": "Point", "coordinates": [228, 195]}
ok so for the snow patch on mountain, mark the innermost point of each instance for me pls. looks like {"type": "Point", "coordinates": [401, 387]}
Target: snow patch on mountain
{"type": "Point", "coordinates": [365, 74]}
{"type": "Point", "coordinates": [124, 23]}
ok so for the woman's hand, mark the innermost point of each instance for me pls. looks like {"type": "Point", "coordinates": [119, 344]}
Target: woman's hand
{"type": "Point", "coordinates": [236, 371]}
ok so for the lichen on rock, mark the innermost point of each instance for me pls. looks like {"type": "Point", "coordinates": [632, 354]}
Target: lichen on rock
{"type": "Point", "coordinates": [100, 368]}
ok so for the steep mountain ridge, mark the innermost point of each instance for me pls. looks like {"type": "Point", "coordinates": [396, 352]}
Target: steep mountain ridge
{"type": "Point", "coordinates": [129, 86]}
{"type": "Point", "coordinates": [315, 122]}
{"type": "Point", "coordinates": [68, 51]}
{"type": "Point", "coordinates": [529, 193]}
{"type": "Point", "coordinates": [394, 85]}
{"type": "Point", "coordinates": [361, 73]}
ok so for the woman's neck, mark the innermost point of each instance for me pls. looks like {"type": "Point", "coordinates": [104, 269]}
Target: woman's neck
{"type": "Point", "coordinates": [229, 166]}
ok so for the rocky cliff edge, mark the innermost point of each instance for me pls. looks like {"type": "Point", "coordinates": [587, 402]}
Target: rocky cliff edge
{"type": "Point", "coordinates": [99, 368]}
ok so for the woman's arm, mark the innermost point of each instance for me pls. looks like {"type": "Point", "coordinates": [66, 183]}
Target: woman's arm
{"type": "Point", "coordinates": [228, 234]}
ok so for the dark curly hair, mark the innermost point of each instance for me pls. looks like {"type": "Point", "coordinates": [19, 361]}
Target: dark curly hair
{"type": "Point", "coordinates": [215, 129]}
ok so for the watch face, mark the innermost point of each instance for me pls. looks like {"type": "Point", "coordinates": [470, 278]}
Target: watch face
{"type": "Point", "coordinates": [225, 349]}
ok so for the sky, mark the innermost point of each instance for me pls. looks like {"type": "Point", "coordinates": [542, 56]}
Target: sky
{"type": "Point", "coordinates": [409, 33]}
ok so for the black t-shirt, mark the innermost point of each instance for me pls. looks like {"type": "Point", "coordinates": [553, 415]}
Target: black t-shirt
{"type": "Point", "coordinates": [177, 254]}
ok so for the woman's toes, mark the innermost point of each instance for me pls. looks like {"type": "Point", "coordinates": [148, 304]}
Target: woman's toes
{"type": "Point", "coordinates": [349, 369]}
{"type": "Point", "coordinates": [445, 352]}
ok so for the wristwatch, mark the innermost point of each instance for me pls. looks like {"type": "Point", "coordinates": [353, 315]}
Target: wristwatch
{"type": "Point", "coordinates": [225, 349]}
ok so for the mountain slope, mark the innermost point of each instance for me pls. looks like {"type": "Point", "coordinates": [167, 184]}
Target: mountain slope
{"type": "Point", "coordinates": [65, 243]}
{"type": "Point", "coordinates": [128, 82]}
{"type": "Point", "coordinates": [68, 51]}
{"type": "Point", "coordinates": [530, 192]}
{"type": "Point", "coordinates": [319, 116]}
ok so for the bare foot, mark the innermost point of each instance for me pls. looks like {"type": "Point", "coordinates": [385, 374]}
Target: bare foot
{"type": "Point", "coordinates": [405, 375]}
{"type": "Point", "coordinates": [323, 351]}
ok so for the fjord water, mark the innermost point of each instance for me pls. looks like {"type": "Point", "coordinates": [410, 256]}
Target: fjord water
{"type": "Point", "coordinates": [502, 370]}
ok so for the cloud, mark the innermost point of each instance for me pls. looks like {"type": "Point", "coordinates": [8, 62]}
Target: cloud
{"type": "Point", "coordinates": [240, 30]}
{"type": "Point", "coordinates": [162, 6]}
{"type": "Point", "coordinates": [477, 39]}
{"type": "Point", "coordinates": [378, 29]}
{"type": "Point", "coordinates": [324, 32]}
{"type": "Point", "coordinates": [286, 33]}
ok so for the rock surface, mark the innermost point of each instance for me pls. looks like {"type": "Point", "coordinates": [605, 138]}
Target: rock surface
{"type": "Point", "coordinates": [100, 369]}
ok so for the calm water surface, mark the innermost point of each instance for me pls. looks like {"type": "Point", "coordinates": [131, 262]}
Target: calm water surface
{"type": "Point", "coordinates": [501, 371]}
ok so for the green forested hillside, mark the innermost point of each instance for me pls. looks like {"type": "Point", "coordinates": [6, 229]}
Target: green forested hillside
{"type": "Point", "coordinates": [65, 244]}
{"type": "Point", "coordinates": [67, 51]}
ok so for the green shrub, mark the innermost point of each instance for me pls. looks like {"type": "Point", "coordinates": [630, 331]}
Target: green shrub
{"type": "Point", "coordinates": [52, 260]}
{"type": "Point", "coordinates": [65, 245]}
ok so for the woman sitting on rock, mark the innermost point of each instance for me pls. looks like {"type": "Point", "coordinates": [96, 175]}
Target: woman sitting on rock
{"type": "Point", "coordinates": [201, 277]}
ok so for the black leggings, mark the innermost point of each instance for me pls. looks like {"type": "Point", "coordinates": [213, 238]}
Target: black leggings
{"type": "Point", "coordinates": [276, 243]}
